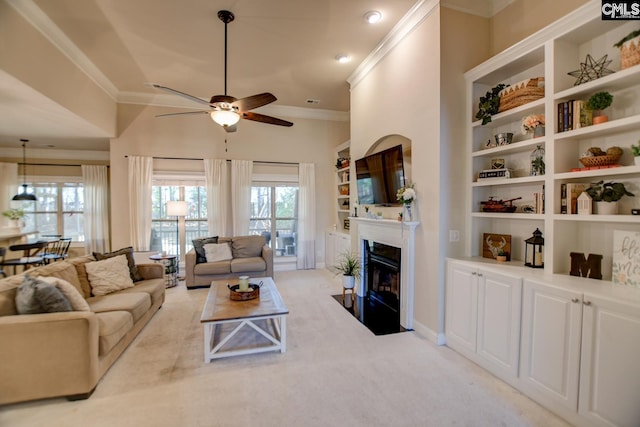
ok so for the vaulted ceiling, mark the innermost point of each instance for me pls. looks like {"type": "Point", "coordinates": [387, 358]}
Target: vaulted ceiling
{"type": "Point", "coordinates": [286, 47]}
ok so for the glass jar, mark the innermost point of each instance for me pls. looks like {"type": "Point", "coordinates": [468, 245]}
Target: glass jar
{"type": "Point", "coordinates": [537, 161]}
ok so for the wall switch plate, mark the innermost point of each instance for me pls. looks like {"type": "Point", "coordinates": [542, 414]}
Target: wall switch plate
{"type": "Point", "coordinates": [454, 235]}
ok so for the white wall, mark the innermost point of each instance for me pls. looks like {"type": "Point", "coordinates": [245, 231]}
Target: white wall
{"type": "Point", "coordinates": [400, 97]}
{"type": "Point", "coordinates": [142, 134]}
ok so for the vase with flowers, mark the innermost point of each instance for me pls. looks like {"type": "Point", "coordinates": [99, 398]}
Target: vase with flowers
{"type": "Point", "coordinates": [15, 215]}
{"type": "Point", "coordinates": [406, 195]}
{"type": "Point", "coordinates": [534, 125]}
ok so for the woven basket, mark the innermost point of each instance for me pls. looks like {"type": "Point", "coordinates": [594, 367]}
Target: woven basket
{"type": "Point", "coordinates": [630, 53]}
{"type": "Point", "coordinates": [521, 93]}
{"type": "Point", "coordinates": [599, 160]}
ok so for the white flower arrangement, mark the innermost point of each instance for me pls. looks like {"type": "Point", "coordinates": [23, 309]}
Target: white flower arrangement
{"type": "Point", "coordinates": [530, 123]}
{"type": "Point", "coordinates": [406, 194]}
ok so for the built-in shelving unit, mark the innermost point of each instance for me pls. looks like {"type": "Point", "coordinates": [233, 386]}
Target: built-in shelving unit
{"type": "Point", "coordinates": [343, 184]}
{"type": "Point", "coordinates": [552, 54]}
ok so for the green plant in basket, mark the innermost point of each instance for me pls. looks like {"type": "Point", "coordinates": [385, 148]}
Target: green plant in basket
{"type": "Point", "coordinates": [635, 150]}
{"type": "Point", "coordinates": [489, 104]}
{"type": "Point", "coordinates": [631, 35]}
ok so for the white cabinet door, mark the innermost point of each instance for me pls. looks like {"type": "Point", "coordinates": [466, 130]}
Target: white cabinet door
{"type": "Point", "coordinates": [461, 307]}
{"type": "Point", "coordinates": [498, 341]}
{"type": "Point", "coordinates": [343, 244]}
{"type": "Point", "coordinates": [550, 350]}
{"type": "Point", "coordinates": [610, 366]}
{"type": "Point", "coordinates": [329, 250]}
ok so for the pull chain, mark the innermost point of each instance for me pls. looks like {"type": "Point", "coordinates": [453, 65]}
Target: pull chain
{"type": "Point", "coordinates": [225, 145]}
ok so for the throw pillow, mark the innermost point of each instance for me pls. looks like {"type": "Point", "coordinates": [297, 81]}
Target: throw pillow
{"type": "Point", "coordinates": [198, 246]}
{"type": "Point", "coordinates": [248, 246]}
{"type": "Point", "coordinates": [217, 252]}
{"type": "Point", "coordinates": [109, 275]}
{"type": "Point", "coordinates": [133, 270]}
{"type": "Point", "coordinates": [37, 296]}
{"type": "Point", "coordinates": [70, 292]}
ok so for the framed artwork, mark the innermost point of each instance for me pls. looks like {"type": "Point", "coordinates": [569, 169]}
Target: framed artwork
{"type": "Point", "coordinates": [497, 164]}
{"type": "Point", "coordinates": [626, 258]}
{"type": "Point", "coordinates": [492, 244]}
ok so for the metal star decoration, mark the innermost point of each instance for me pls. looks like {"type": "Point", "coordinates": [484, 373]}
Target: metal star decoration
{"type": "Point", "coordinates": [591, 70]}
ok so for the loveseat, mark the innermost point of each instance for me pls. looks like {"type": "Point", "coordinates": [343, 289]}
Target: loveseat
{"type": "Point", "coordinates": [232, 257]}
{"type": "Point", "coordinates": [56, 354]}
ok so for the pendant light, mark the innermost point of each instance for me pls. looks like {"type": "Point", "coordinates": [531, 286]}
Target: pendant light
{"type": "Point", "coordinates": [24, 196]}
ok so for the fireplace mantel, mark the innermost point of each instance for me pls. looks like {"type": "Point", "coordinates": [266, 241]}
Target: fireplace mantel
{"type": "Point", "coordinates": [398, 234]}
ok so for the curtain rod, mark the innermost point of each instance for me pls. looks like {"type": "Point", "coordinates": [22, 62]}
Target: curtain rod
{"type": "Point", "coordinates": [54, 164]}
{"type": "Point", "coordinates": [195, 158]}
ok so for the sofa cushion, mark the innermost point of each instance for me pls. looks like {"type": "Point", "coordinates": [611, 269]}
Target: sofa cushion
{"type": "Point", "coordinates": [8, 288]}
{"type": "Point", "coordinates": [218, 252]}
{"type": "Point", "coordinates": [80, 265]}
{"type": "Point", "coordinates": [37, 296]}
{"type": "Point", "coordinates": [112, 326]}
{"type": "Point", "coordinates": [220, 267]}
{"type": "Point", "coordinates": [136, 303]}
{"type": "Point", "coordinates": [198, 246]}
{"type": "Point", "coordinates": [244, 265]}
{"type": "Point", "coordinates": [154, 287]}
{"type": "Point", "coordinates": [128, 252]}
{"type": "Point", "coordinates": [75, 298]}
{"type": "Point", "coordinates": [109, 275]}
{"type": "Point", "coordinates": [63, 270]}
{"type": "Point", "coordinates": [247, 246]}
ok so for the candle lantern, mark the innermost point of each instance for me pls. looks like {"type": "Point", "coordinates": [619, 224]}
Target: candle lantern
{"type": "Point", "coordinates": [534, 250]}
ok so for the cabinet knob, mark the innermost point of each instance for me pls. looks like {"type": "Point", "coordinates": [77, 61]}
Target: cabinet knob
{"type": "Point", "coordinates": [574, 300]}
{"type": "Point", "coordinates": [586, 302]}
{"type": "Point", "coordinates": [479, 274]}
{"type": "Point", "coordinates": [474, 273]}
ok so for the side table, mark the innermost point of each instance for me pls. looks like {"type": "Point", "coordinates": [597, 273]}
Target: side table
{"type": "Point", "coordinates": [170, 263]}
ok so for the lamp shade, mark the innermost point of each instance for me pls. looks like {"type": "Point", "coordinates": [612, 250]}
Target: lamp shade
{"type": "Point", "coordinates": [177, 208]}
{"type": "Point", "coordinates": [24, 195]}
{"type": "Point", "coordinates": [225, 117]}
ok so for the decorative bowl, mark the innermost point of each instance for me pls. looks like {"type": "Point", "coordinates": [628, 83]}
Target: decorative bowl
{"type": "Point", "coordinates": [236, 295]}
{"type": "Point", "coordinates": [599, 160]}
{"type": "Point", "coordinates": [504, 138]}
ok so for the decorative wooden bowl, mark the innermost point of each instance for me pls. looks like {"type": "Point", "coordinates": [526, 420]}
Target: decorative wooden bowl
{"type": "Point", "coordinates": [599, 160]}
{"type": "Point", "coordinates": [234, 295]}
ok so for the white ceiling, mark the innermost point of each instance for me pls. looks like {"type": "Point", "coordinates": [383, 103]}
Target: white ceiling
{"type": "Point", "coordinates": [286, 47]}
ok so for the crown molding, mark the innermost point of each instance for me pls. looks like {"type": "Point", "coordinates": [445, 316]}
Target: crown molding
{"type": "Point", "coordinates": [172, 101]}
{"type": "Point", "coordinates": [418, 13]}
{"type": "Point", "coordinates": [41, 22]}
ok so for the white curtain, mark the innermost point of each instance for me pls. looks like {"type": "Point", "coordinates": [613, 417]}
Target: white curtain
{"type": "Point", "coordinates": [241, 174]}
{"type": "Point", "coordinates": [140, 181]}
{"type": "Point", "coordinates": [306, 216]}
{"type": "Point", "coordinates": [217, 183]}
{"type": "Point", "coordinates": [8, 188]}
{"type": "Point", "coordinates": [96, 208]}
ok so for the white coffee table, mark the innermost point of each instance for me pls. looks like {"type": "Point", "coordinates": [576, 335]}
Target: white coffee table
{"type": "Point", "coordinates": [220, 310]}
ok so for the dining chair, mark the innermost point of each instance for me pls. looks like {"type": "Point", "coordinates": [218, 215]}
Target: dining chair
{"type": "Point", "coordinates": [30, 256]}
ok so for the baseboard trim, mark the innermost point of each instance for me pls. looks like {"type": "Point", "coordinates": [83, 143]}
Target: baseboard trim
{"type": "Point", "coordinates": [428, 333]}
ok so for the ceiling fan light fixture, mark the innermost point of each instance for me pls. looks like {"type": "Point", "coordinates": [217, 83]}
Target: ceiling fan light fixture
{"type": "Point", "coordinates": [342, 58]}
{"type": "Point", "coordinates": [373, 16]}
{"type": "Point", "coordinates": [225, 117]}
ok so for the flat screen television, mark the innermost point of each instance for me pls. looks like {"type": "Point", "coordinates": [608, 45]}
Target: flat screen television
{"type": "Point", "coordinates": [379, 176]}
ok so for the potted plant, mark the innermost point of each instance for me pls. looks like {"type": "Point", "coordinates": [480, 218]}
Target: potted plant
{"type": "Point", "coordinates": [533, 124]}
{"type": "Point", "coordinates": [348, 264]}
{"type": "Point", "coordinates": [629, 45]}
{"type": "Point", "coordinates": [635, 150]}
{"type": "Point", "coordinates": [15, 215]}
{"type": "Point", "coordinates": [598, 102]}
{"type": "Point", "coordinates": [502, 256]}
{"type": "Point", "coordinates": [489, 104]}
{"type": "Point", "coordinates": [606, 196]}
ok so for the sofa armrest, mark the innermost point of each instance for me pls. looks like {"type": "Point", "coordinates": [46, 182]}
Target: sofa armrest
{"type": "Point", "coordinates": [267, 255]}
{"type": "Point", "coordinates": [189, 265]}
{"type": "Point", "coordinates": [151, 271]}
{"type": "Point", "coordinates": [47, 355]}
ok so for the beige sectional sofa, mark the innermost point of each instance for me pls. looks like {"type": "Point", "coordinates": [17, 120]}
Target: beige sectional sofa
{"type": "Point", "coordinates": [250, 255]}
{"type": "Point", "coordinates": [66, 353]}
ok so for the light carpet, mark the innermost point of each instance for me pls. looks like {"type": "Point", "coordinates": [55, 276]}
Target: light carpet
{"type": "Point", "coordinates": [335, 373]}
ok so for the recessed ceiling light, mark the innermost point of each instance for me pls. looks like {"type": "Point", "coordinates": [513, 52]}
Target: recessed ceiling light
{"type": "Point", "coordinates": [341, 58]}
{"type": "Point", "coordinates": [373, 16]}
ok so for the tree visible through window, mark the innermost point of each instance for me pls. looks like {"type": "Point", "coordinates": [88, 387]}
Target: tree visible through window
{"type": "Point", "coordinates": [274, 214]}
{"type": "Point", "coordinates": [58, 210]}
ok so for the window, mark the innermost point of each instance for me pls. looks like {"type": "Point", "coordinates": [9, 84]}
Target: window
{"type": "Point", "coordinates": [58, 210]}
{"type": "Point", "coordinates": [164, 234]}
{"type": "Point", "coordinates": [274, 212]}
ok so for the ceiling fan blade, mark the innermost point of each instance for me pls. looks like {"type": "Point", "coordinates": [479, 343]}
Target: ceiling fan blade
{"type": "Point", "coordinates": [177, 92]}
{"type": "Point", "coordinates": [265, 119]}
{"type": "Point", "coordinates": [255, 101]}
{"type": "Point", "coordinates": [183, 113]}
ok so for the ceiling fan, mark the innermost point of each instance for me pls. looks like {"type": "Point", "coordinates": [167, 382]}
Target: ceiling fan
{"type": "Point", "coordinates": [224, 109]}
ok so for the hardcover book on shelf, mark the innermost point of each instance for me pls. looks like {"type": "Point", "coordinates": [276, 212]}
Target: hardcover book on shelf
{"type": "Point", "coordinates": [495, 173]}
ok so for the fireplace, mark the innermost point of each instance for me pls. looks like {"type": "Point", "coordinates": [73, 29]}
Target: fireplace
{"type": "Point", "coordinates": [382, 275]}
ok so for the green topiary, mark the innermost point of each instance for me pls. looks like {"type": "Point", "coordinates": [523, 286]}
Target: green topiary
{"type": "Point", "coordinates": [600, 101]}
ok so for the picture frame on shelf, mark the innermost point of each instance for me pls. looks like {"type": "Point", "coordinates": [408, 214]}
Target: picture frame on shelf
{"type": "Point", "coordinates": [626, 258]}
{"type": "Point", "coordinates": [493, 244]}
